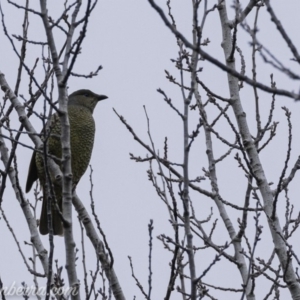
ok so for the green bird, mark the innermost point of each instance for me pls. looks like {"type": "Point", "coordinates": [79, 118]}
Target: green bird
{"type": "Point", "coordinates": [81, 105]}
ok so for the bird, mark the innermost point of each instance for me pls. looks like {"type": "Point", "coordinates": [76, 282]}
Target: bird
{"type": "Point", "coordinates": [81, 106]}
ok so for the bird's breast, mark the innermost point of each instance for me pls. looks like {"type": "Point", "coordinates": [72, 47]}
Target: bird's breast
{"type": "Point", "coordinates": [82, 133]}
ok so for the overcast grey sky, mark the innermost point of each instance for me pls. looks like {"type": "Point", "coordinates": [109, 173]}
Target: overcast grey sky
{"type": "Point", "coordinates": [134, 47]}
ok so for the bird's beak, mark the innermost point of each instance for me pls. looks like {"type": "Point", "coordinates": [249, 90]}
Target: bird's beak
{"type": "Point", "coordinates": [101, 97]}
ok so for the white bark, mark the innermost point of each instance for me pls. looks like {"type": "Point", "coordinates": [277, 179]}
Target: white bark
{"type": "Point", "coordinates": [257, 168]}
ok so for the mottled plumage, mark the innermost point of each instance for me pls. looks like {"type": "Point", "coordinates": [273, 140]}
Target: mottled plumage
{"type": "Point", "coordinates": [82, 131]}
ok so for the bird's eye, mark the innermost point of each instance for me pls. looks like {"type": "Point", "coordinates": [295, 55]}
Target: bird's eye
{"type": "Point", "coordinates": [86, 94]}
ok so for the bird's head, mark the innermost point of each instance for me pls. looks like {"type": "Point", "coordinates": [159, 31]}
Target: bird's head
{"type": "Point", "coordinates": [85, 98]}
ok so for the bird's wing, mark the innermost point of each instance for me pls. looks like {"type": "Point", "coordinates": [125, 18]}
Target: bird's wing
{"type": "Point", "coordinates": [32, 173]}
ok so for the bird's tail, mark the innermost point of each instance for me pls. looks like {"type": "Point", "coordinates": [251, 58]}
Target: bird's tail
{"type": "Point", "coordinates": [57, 224]}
